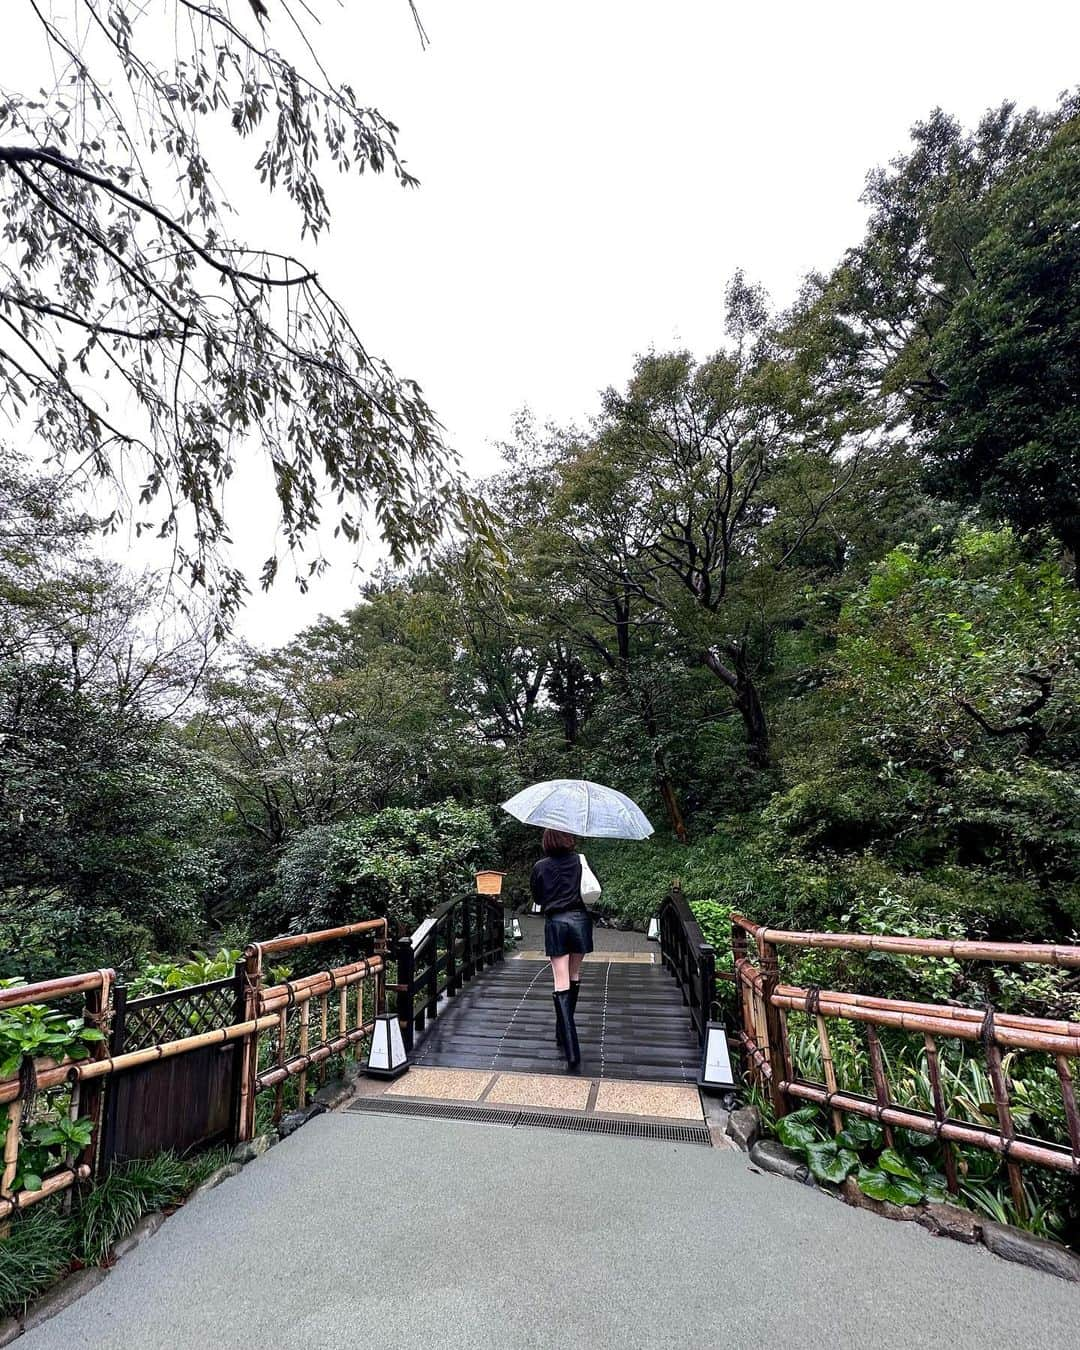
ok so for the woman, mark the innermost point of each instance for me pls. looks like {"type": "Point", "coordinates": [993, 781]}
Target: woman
{"type": "Point", "coordinates": [556, 887]}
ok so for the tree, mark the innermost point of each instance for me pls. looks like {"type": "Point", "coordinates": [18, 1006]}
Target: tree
{"type": "Point", "coordinates": [122, 270]}
{"type": "Point", "coordinates": [1007, 424]}
{"type": "Point", "coordinates": [953, 322]}
{"type": "Point", "coordinates": [736, 462]}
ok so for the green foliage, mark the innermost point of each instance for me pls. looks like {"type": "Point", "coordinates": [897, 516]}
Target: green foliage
{"type": "Point", "coordinates": [1006, 428]}
{"type": "Point", "coordinates": [130, 1190]}
{"type": "Point", "coordinates": [35, 1030]}
{"type": "Point", "coordinates": [199, 968]}
{"type": "Point", "coordinates": [44, 1242]}
{"type": "Point", "coordinates": [45, 1144]}
{"type": "Point", "coordinates": [401, 863]}
{"type": "Point", "coordinates": [37, 1252]}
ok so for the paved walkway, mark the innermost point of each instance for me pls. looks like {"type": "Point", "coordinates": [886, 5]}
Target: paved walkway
{"type": "Point", "coordinates": [396, 1233]}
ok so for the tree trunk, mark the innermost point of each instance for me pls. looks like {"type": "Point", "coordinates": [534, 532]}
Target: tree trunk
{"type": "Point", "coordinates": [663, 779]}
{"type": "Point", "coordinates": [675, 817]}
{"type": "Point", "coordinates": [738, 679]}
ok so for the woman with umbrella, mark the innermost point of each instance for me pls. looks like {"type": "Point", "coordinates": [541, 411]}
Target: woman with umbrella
{"type": "Point", "coordinates": [562, 883]}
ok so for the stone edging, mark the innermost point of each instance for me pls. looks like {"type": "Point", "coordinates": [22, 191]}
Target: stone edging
{"type": "Point", "coordinates": [940, 1220]}
{"type": "Point", "coordinates": [69, 1290]}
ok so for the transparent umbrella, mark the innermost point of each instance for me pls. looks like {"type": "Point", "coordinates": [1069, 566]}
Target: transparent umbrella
{"type": "Point", "coordinates": [580, 807]}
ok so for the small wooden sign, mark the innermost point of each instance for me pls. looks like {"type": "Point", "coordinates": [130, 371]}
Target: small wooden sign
{"type": "Point", "coordinates": [489, 882]}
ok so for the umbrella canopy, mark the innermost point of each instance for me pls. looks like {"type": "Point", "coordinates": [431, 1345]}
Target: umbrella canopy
{"type": "Point", "coordinates": [580, 807]}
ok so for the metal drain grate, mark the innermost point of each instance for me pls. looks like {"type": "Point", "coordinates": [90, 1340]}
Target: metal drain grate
{"type": "Point", "coordinates": [544, 1120]}
{"type": "Point", "coordinates": [487, 1115]}
{"type": "Point", "coordinates": [634, 1129]}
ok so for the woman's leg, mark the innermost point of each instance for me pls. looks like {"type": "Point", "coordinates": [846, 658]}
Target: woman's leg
{"type": "Point", "coordinates": [560, 971]}
{"type": "Point", "coordinates": [575, 959]}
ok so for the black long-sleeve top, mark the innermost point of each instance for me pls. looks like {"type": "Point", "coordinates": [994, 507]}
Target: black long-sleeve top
{"type": "Point", "coordinates": [556, 883]}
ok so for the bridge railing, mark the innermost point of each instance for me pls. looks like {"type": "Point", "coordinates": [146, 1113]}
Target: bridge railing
{"type": "Point", "coordinates": [766, 1003]}
{"type": "Point", "coordinates": [685, 953]}
{"type": "Point", "coordinates": [173, 1069]}
{"type": "Point", "coordinates": [451, 946]}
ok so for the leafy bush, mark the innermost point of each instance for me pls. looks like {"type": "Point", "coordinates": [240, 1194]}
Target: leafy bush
{"type": "Point", "coordinates": [37, 1251]}
{"type": "Point", "coordinates": [132, 1189]}
{"type": "Point", "coordinates": [400, 863]}
{"type": "Point", "coordinates": [34, 1030]}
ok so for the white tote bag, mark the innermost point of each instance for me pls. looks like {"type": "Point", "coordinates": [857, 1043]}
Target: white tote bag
{"type": "Point", "coordinates": [590, 887]}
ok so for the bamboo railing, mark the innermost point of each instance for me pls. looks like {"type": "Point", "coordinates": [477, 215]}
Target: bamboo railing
{"type": "Point", "coordinates": [345, 999]}
{"type": "Point", "coordinates": [764, 1004]}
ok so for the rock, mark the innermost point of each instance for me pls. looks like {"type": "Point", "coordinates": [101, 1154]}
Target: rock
{"type": "Point", "coordinates": [333, 1094]}
{"type": "Point", "coordinates": [291, 1123]}
{"type": "Point", "coordinates": [950, 1221]}
{"type": "Point", "coordinates": [884, 1208]}
{"type": "Point", "coordinates": [744, 1126]}
{"type": "Point", "coordinates": [62, 1296]}
{"type": "Point", "coordinates": [10, 1330]}
{"type": "Point", "coordinates": [232, 1169]}
{"type": "Point", "coordinates": [251, 1149]}
{"type": "Point", "coordinates": [1015, 1245]}
{"type": "Point", "coordinates": [146, 1227]}
{"type": "Point", "coordinates": [719, 1139]}
{"type": "Point", "coordinates": [772, 1156]}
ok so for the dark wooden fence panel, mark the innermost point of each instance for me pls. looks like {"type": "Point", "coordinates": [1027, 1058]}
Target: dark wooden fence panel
{"type": "Point", "coordinates": [185, 1102]}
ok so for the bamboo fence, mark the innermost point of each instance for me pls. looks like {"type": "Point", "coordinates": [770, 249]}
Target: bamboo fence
{"type": "Point", "coordinates": [345, 998]}
{"type": "Point", "coordinates": [764, 1004]}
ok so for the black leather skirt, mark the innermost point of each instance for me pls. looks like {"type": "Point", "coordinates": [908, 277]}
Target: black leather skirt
{"type": "Point", "coordinates": [568, 931]}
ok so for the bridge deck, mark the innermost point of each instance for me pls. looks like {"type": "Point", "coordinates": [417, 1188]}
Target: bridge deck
{"type": "Point", "coordinates": [630, 1017]}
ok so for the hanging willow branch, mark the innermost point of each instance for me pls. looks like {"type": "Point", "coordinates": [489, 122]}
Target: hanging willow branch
{"type": "Point", "coordinates": [151, 347]}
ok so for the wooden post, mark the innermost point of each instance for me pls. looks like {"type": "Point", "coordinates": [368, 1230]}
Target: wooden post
{"type": "Point", "coordinates": [934, 1068]}
{"type": "Point", "coordinates": [249, 1069]}
{"type": "Point", "coordinates": [1068, 1096]}
{"type": "Point", "coordinates": [403, 999]}
{"type": "Point", "coordinates": [282, 1036]}
{"type": "Point", "coordinates": [322, 1034]}
{"type": "Point", "coordinates": [708, 988]}
{"type": "Point", "coordinates": [117, 1046]}
{"type": "Point", "coordinates": [1005, 1123]}
{"type": "Point", "coordinates": [96, 1015]}
{"type": "Point", "coordinates": [881, 1083]}
{"type": "Point", "coordinates": [305, 1009]}
{"type": "Point", "coordinates": [829, 1068]}
{"type": "Point", "coordinates": [467, 958]}
{"type": "Point", "coordinates": [11, 1148]}
{"type": "Point", "coordinates": [770, 978]}
{"type": "Point", "coordinates": [432, 1000]}
{"type": "Point", "coordinates": [452, 980]}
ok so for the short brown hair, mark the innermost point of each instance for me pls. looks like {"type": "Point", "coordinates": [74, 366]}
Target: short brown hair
{"type": "Point", "coordinates": [557, 841]}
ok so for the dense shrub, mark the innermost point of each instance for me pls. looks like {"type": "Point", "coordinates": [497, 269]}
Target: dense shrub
{"type": "Point", "coordinates": [400, 863]}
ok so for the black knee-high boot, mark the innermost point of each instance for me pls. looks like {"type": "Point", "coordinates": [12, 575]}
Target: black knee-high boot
{"type": "Point", "coordinates": [564, 1016]}
{"type": "Point", "coordinates": [575, 989]}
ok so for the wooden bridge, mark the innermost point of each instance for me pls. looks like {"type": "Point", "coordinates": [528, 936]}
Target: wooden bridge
{"type": "Point", "coordinates": [632, 1018]}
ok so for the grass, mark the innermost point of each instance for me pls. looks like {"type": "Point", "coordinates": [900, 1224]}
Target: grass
{"type": "Point", "coordinates": [39, 1249]}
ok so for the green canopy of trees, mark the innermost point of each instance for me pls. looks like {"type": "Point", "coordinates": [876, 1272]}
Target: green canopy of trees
{"type": "Point", "coordinates": [811, 599]}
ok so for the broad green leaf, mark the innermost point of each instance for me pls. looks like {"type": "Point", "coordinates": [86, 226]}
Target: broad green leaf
{"type": "Point", "coordinates": [873, 1183]}
{"type": "Point", "coordinates": [828, 1162]}
{"type": "Point", "coordinates": [891, 1161]}
{"type": "Point", "coordinates": [796, 1134]}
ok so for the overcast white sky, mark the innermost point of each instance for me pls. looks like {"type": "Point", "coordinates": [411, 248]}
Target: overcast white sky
{"type": "Point", "coordinates": [592, 171]}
